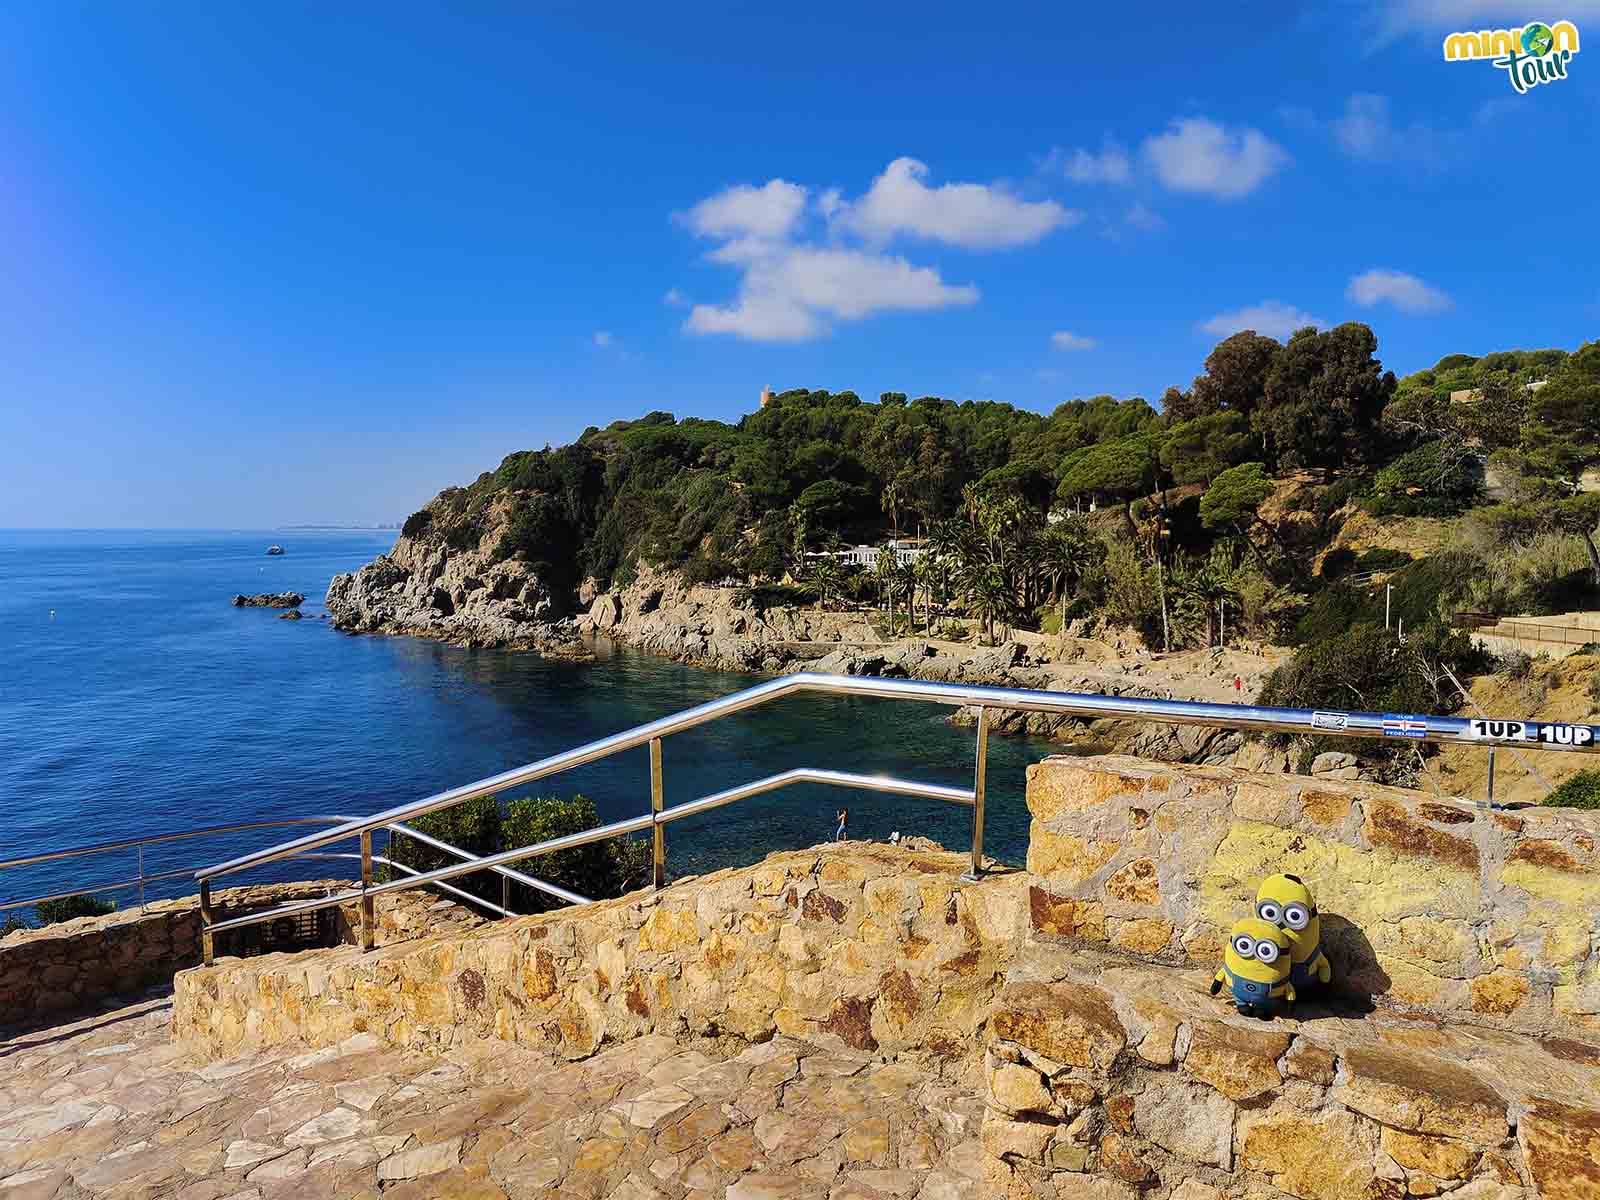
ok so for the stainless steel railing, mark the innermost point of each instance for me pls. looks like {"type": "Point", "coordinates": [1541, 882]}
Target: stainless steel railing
{"type": "Point", "coordinates": [143, 878]}
{"type": "Point", "coordinates": [985, 699]}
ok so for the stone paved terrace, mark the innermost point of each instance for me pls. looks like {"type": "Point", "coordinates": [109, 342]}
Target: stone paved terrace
{"type": "Point", "coordinates": [108, 1106]}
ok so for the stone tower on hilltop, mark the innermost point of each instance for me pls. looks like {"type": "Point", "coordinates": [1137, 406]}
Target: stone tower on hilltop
{"type": "Point", "coordinates": [766, 395]}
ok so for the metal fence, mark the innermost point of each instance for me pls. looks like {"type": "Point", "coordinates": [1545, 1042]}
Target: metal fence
{"type": "Point", "coordinates": [1255, 718]}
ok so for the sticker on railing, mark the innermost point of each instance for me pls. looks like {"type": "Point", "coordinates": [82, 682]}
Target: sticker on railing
{"type": "Point", "coordinates": [1504, 731]}
{"type": "Point", "coordinates": [1330, 720]}
{"type": "Point", "coordinates": [1395, 725]}
{"type": "Point", "coordinates": [1549, 733]}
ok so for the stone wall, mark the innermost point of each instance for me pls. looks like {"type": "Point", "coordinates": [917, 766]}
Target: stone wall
{"type": "Point", "coordinates": [1430, 906]}
{"type": "Point", "coordinates": [1108, 1078]}
{"type": "Point", "coordinates": [883, 948]}
{"type": "Point", "coordinates": [70, 965]}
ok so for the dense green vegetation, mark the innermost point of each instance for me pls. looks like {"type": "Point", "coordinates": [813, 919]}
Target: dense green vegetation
{"type": "Point", "coordinates": [1580, 791]}
{"type": "Point", "coordinates": [1206, 518]}
{"type": "Point", "coordinates": [482, 826]}
{"type": "Point", "coordinates": [52, 912]}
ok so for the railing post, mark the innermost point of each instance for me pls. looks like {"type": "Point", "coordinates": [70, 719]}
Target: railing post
{"type": "Point", "coordinates": [505, 894]}
{"type": "Point", "coordinates": [367, 921]}
{"type": "Point", "coordinates": [980, 768]}
{"type": "Point", "coordinates": [206, 939]}
{"type": "Point", "coordinates": [141, 876]}
{"type": "Point", "coordinates": [658, 852]}
{"type": "Point", "coordinates": [1491, 776]}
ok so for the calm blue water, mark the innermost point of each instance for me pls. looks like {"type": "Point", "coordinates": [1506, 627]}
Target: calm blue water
{"type": "Point", "coordinates": [147, 703]}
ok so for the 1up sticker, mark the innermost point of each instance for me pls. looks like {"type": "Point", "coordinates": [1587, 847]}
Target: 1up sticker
{"type": "Point", "coordinates": [1548, 733]}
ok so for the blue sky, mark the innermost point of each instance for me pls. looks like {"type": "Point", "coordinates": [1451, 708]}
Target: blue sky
{"type": "Point", "coordinates": [280, 263]}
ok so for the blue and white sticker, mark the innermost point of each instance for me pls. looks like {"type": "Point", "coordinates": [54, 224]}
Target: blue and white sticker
{"type": "Point", "coordinates": [1395, 725]}
{"type": "Point", "coordinates": [1333, 721]}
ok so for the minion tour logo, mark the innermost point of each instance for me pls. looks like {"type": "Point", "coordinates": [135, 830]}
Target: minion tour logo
{"type": "Point", "coordinates": [1532, 54]}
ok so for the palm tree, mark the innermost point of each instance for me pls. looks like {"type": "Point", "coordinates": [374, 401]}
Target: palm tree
{"type": "Point", "coordinates": [891, 499]}
{"type": "Point", "coordinates": [924, 570]}
{"type": "Point", "coordinates": [827, 576]}
{"type": "Point", "coordinates": [884, 569]}
{"type": "Point", "coordinates": [989, 597]}
{"type": "Point", "coordinates": [1065, 552]}
{"type": "Point", "coordinates": [1207, 583]}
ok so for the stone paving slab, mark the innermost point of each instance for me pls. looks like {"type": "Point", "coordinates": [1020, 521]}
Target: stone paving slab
{"type": "Point", "coordinates": [107, 1106]}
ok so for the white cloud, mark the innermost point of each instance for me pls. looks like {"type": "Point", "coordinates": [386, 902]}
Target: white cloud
{"type": "Point", "coordinates": [1062, 340]}
{"type": "Point", "coordinates": [1111, 165]}
{"type": "Point", "coordinates": [786, 291]}
{"type": "Point", "coordinates": [1367, 130]}
{"type": "Point", "coordinates": [769, 211]}
{"type": "Point", "coordinates": [759, 318]}
{"type": "Point", "coordinates": [1199, 155]}
{"type": "Point", "coordinates": [976, 216]}
{"type": "Point", "coordinates": [1144, 219]}
{"type": "Point", "coordinates": [602, 337]}
{"type": "Point", "coordinates": [1405, 292]}
{"type": "Point", "coordinates": [803, 265]}
{"type": "Point", "coordinates": [1273, 318]}
{"type": "Point", "coordinates": [1392, 18]}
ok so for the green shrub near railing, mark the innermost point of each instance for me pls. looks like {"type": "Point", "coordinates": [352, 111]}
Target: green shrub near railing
{"type": "Point", "coordinates": [53, 912]}
{"type": "Point", "coordinates": [1580, 791]}
{"type": "Point", "coordinates": [482, 826]}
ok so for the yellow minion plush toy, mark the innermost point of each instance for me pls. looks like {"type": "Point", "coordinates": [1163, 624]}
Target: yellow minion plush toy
{"type": "Point", "coordinates": [1255, 966]}
{"type": "Point", "coordinates": [1286, 901]}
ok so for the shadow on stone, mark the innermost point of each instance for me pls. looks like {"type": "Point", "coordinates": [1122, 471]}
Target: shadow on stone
{"type": "Point", "coordinates": [1358, 977]}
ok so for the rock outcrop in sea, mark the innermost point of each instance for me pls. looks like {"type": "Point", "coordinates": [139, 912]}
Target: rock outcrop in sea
{"type": "Point", "coordinates": [270, 600]}
{"type": "Point", "coordinates": [426, 588]}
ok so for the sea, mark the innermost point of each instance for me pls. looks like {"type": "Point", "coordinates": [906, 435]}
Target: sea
{"type": "Point", "coordinates": [136, 701]}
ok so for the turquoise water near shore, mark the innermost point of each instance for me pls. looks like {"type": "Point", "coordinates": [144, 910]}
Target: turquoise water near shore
{"type": "Point", "coordinates": [148, 704]}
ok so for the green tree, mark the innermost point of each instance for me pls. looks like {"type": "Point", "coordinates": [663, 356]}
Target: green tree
{"type": "Point", "coordinates": [1563, 432]}
{"type": "Point", "coordinates": [1067, 551]}
{"type": "Point", "coordinates": [1232, 502]}
{"type": "Point", "coordinates": [1121, 470]}
{"type": "Point", "coordinates": [1235, 377]}
{"type": "Point", "coordinates": [1324, 395]}
{"type": "Point", "coordinates": [1199, 450]}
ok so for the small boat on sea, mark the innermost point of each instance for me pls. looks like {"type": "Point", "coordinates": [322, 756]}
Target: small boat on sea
{"type": "Point", "coordinates": [274, 549]}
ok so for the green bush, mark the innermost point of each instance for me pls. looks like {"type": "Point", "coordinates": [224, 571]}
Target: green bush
{"type": "Point", "coordinates": [1432, 588]}
{"type": "Point", "coordinates": [473, 826]}
{"type": "Point", "coordinates": [417, 523]}
{"type": "Point", "coordinates": [1431, 480]}
{"type": "Point", "coordinates": [52, 912]}
{"type": "Point", "coordinates": [1580, 791]}
{"type": "Point", "coordinates": [1336, 610]}
{"type": "Point", "coordinates": [596, 870]}
{"type": "Point", "coordinates": [1368, 669]}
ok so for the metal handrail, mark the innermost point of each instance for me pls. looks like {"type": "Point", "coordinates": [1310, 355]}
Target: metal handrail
{"type": "Point", "coordinates": [507, 876]}
{"type": "Point", "coordinates": [139, 844]}
{"type": "Point", "coordinates": [1258, 718]}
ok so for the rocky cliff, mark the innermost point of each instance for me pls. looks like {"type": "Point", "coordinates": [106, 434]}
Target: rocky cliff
{"type": "Point", "coordinates": [466, 594]}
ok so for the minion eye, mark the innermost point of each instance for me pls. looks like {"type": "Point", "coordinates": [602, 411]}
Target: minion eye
{"type": "Point", "coordinates": [1296, 917]}
{"type": "Point", "coordinates": [1244, 946]}
{"type": "Point", "coordinates": [1268, 911]}
{"type": "Point", "coordinates": [1266, 951]}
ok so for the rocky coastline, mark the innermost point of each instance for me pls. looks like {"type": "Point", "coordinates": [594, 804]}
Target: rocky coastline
{"type": "Point", "coordinates": [466, 597]}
